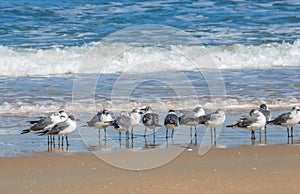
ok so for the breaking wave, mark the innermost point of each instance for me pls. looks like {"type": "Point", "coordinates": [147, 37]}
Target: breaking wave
{"type": "Point", "coordinates": [121, 57]}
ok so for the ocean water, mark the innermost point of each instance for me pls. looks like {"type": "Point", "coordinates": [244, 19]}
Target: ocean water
{"type": "Point", "coordinates": [81, 56]}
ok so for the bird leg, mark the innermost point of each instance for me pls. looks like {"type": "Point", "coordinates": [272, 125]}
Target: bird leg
{"type": "Point", "coordinates": [145, 132]}
{"type": "Point", "coordinates": [120, 138]}
{"type": "Point", "coordinates": [167, 133]}
{"type": "Point", "coordinates": [211, 136]}
{"type": "Point", "coordinates": [146, 144]}
{"type": "Point", "coordinates": [127, 139]}
{"type": "Point", "coordinates": [62, 141]}
{"type": "Point", "coordinates": [67, 141]}
{"type": "Point", "coordinates": [154, 136]}
{"type": "Point", "coordinates": [132, 138]}
{"type": "Point", "coordinates": [215, 136]}
{"type": "Point", "coordinates": [58, 141]}
{"type": "Point", "coordinates": [253, 137]}
{"type": "Point", "coordinates": [265, 133]}
{"type": "Point", "coordinates": [252, 134]}
{"type": "Point", "coordinates": [127, 134]}
{"type": "Point", "coordinates": [131, 132]}
{"type": "Point", "coordinates": [196, 135]}
{"type": "Point", "coordinates": [53, 142]}
{"type": "Point", "coordinates": [172, 133]}
{"type": "Point", "coordinates": [260, 136]}
{"type": "Point", "coordinates": [104, 134]}
{"type": "Point", "coordinates": [99, 138]}
{"type": "Point", "coordinates": [265, 130]}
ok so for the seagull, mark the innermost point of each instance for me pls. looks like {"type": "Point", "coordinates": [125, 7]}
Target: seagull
{"type": "Point", "coordinates": [213, 120]}
{"type": "Point", "coordinates": [135, 118]}
{"type": "Point", "coordinates": [150, 120]}
{"type": "Point", "coordinates": [122, 123]}
{"type": "Point", "coordinates": [101, 120]}
{"type": "Point", "coordinates": [171, 121]}
{"type": "Point", "coordinates": [288, 120]}
{"type": "Point", "coordinates": [191, 118]}
{"type": "Point", "coordinates": [266, 112]}
{"type": "Point", "coordinates": [254, 121]}
{"type": "Point", "coordinates": [62, 129]}
{"type": "Point", "coordinates": [46, 123]}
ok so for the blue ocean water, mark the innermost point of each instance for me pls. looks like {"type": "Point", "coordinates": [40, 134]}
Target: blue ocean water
{"type": "Point", "coordinates": [84, 55]}
{"type": "Point", "coordinates": [36, 24]}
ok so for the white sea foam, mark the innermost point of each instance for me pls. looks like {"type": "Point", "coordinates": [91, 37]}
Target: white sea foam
{"type": "Point", "coordinates": [162, 106]}
{"type": "Point", "coordinates": [118, 58]}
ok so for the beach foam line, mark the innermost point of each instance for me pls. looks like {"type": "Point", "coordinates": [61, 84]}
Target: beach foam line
{"type": "Point", "coordinates": [158, 106]}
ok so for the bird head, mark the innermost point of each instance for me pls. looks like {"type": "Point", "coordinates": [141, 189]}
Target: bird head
{"type": "Point", "coordinates": [263, 107]}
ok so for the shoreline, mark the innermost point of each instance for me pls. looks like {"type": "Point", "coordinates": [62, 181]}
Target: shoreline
{"type": "Point", "coordinates": [85, 140]}
{"type": "Point", "coordinates": [251, 169]}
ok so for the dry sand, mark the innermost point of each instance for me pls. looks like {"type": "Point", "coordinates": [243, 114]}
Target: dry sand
{"type": "Point", "coordinates": [251, 169]}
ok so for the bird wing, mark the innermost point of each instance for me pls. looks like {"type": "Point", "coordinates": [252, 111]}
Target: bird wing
{"type": "Point", "coordinates": [247, 121]}
{"type": "Point", "coordinates": [151, 119]}
{"type": "Point", "coordinates": [155, 119]}
{"type": "Point", "coordinates": [187, 113]}
{"type": "Point", "coordinates": [96, 118]}
{"type": "Point", "coordinates": [57, 128]}
{"type": "Point", "coordinates": [41, 124]}
{"type": "Point", "coordinates": [184, 119]}
{"type": "Point", "coordinates": [122, 121]}
{"type": "Point", "coordinates": [171, 119]}
{"type": "Point", "coordinates": [203, 119]}
{"type": "Point", "coordinates": [147, 118]}
{"type": "Point", "coordinates": [214, 116]}
{"type": "Point", "coordinates": [280, 119]}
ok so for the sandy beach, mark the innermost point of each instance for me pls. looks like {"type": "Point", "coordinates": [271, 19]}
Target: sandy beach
{"type": "Point", "coordinates": [249, 169]}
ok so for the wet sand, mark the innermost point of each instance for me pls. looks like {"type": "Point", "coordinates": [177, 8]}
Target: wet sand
{"type": "Point", "coordinates": [249, 169]}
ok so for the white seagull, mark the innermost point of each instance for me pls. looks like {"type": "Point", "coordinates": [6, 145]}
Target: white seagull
{"type": "Point", "coordinates": [171, 121]}
{"type": "Point", "coordinates": [62, 129]}
{"type": "Point", "coordinates": [150, 120]}
{"type": "Point", "coordinates": [288, 120]}
{"type": "Point", "coordinates": [266, 112]}
{"type": "Point", "coordinates": [191, 118]}
{"type": "Point", "coordinates": [101, 120]}
{"type": "Point", "coordinates": [212, 121]}
{"type": "Point", "coordinates": [122, 123]}
{"type": "Point", "coordinates": [252, 122]}
{"type": "Point", "coordinates": [135, 118]}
